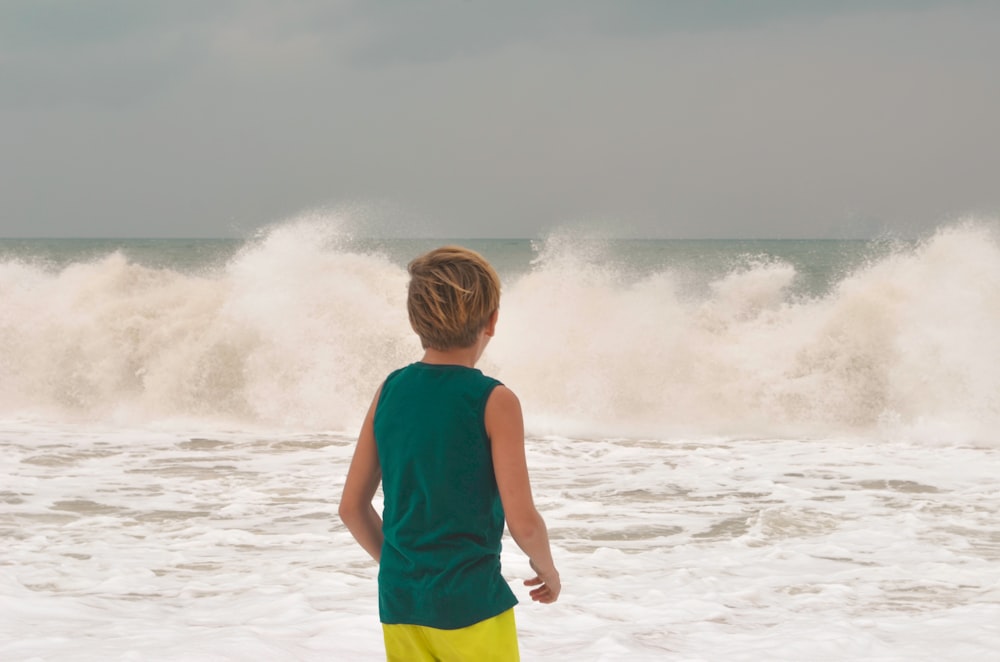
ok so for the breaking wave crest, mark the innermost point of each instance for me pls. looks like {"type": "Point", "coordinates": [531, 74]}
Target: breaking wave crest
{"type": "Point", "coordinates": [298, 329]}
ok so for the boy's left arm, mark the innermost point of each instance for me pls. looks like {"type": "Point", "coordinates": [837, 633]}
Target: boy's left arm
{"type": "Point", "coordinates": [356, 510]}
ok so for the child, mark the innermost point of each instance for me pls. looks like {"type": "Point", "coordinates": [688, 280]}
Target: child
{"type": "Point", "coordinates": [447, 443]}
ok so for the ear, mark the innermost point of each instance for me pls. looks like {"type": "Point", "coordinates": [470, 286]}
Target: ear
{"type": "Point", "coordinates": [491, 323]}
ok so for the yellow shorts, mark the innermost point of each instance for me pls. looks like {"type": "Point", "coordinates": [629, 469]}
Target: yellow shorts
{"type": "Point", "coordinates": [491, 640]}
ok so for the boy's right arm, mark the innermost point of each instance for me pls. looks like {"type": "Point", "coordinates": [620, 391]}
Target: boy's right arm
{"type": "Point", "coordinates": [505, 426]}
{"type": "Point", "coordinates": [356, 510]}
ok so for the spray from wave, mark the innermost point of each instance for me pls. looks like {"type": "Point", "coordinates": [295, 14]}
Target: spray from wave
{"type": "Point", "coordinates": [290, 332]}
{"type": "Point", "coordinates": [907, 344]}
{"type": "Point", "coordinates": [299, 328]}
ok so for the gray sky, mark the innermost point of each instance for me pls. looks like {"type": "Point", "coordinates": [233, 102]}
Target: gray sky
{"type": "Point", "coordinates": [761, 118]}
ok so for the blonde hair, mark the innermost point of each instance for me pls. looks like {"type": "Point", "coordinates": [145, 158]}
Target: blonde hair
{"type": "Point", "coordinates": [452, 294]}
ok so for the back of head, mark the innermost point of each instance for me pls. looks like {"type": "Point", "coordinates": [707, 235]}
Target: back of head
{"type": "Point", "coordinates": [453, 291]}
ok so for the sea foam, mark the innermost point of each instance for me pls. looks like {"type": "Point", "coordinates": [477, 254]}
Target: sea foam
{"type": "Point", "coordinates": [298, 328]}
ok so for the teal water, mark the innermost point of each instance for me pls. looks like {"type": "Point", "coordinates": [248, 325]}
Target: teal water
{"type": "Point", "coordinates": [818, 263]}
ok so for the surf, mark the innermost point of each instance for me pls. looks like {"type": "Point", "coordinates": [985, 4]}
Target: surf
{"type": "Point", "coordinates": [298, 326]}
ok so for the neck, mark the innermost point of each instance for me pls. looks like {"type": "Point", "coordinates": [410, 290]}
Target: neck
{"type": "Point", "coordinates": [466, 356]}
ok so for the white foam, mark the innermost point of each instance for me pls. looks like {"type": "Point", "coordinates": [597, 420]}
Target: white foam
{"type": "Point", "coordinates": [137, 544]}
{"type": "Point", "coordinates": [298, 329]}
{"type": "Point", "coordinates": [908, 343]}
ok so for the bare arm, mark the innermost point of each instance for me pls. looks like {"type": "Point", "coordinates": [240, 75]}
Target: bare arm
{"type": "Point", "coordinates": [505, 426]}
{"type": "Point", "coordinates": [356, 510]}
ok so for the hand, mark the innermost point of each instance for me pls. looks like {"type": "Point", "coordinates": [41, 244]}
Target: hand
{"type": "Point", "coordinates": [548, 585]}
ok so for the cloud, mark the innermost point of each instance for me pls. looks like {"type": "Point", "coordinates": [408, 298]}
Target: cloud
{"type": "Point", "coordinates": [442, 30]}
{"type": "Point", "coordinates": [480, 118]}
{"type": "Point", "coordinates": [99, 53]}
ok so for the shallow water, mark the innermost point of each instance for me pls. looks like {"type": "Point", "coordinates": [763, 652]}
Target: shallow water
{"type": "Point", "coordinates": [156, 544]}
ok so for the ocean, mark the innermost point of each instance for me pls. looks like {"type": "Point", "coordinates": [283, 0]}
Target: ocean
{"type": "Point", "coordinates": [744, 450]}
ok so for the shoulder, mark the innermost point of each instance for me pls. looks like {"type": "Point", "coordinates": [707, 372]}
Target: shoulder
{"type": "Point", "coordinates": [502, 397]}
{"type": "Point", "coordinates": [397, 372]}
{"type": "Point", "coordinates": [395, 376]}
{"type": "Point", "coordinates": [393, 382]}
{"type": "Point", "coordinates": [503, 412]}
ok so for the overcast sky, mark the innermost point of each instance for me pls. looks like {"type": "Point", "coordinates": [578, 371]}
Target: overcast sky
{"type": "Point", "coordinates": [754, 118]}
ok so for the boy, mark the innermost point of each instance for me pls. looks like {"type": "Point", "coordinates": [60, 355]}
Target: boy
{"type": "Point", "coordinates": [447, 443]}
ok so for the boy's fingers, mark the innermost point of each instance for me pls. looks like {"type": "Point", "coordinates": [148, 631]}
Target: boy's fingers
{"type": "Point", "coordinates": [533, 581]}
{"type": "Point", "coordinates": [540, 595]}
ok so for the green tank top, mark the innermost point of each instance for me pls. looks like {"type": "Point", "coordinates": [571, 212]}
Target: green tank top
{"type": "Point", "coordinates": [442, 518]}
